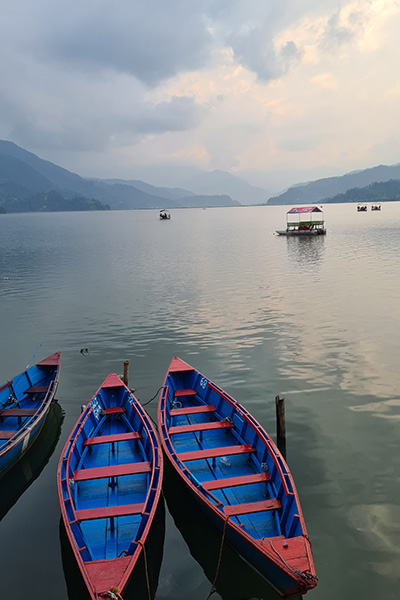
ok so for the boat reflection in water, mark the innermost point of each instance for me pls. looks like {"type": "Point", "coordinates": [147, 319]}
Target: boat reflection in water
{"type": "Point", "coordinates": [143, 582]}
{"type": "Point", "coordinates": [28, 468]}
{"type": "Point", "coordinates": [233, 579]}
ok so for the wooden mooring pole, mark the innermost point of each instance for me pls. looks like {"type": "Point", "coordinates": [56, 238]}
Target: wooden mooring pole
{"type": "Point", "coordinates": [126, 369]}
{"type": "Point", "coordinates": [280, 424]}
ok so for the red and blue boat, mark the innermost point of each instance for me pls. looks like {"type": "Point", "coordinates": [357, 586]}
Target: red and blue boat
{"type": "Point", "coordinates": [237, 477]}
{"type": "Point", "coordinates": [109, 485]}
{"type": "Point", "coordinates": [24, 404]}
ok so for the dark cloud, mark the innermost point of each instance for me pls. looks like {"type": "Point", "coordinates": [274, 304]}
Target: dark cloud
{"type": "Point", "coordinates": [255, 50]}
{"type": "Point", "coordinates": [149, 39]}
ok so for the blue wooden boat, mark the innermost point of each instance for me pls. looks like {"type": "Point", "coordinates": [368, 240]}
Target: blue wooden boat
{"type": "Point", "coordinates": [237, 476]}
{"type": "Point", "coordinates": [109, 485]}
{"type": "Point", "coordinates": [24, 403]}
{"type": "Point", "coordinates": [18, 479]}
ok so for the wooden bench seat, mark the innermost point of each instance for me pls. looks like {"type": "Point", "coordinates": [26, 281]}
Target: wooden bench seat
{"type": "Point", "coordinates": [37, 389]}
{"type": "Point", "coordinates": [18, 412]}
{"type": "Point", "coordinates": [218, 484]}
{"type": "Point", "coordinates": [107, 512]}
{"type": "Point", "coordinates": [200, 427]}
{"type": "Point", "coordinates": [113, 410]}
{"type": "Point", "coordinates": [6, 435]}
{"type": "Point", "coordinates": [108, 439]}
{"type": "Point", "coordinates": [215, 452]}
{"type": "Point", "coordinates": [252, 507]}
{"type": "Point", "coordinates": [179, 393]}
{"type": "Point", "coordinates": [192, 410]}
{"type": "Point", "coordinates": [111, 471]}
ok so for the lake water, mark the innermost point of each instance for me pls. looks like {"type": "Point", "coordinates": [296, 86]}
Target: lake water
{"type": "Point", "coordinates": [316, 321]}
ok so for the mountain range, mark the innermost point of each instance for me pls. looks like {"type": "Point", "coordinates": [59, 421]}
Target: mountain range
{"type": "Point", "coordinates": [31, 184]}
{"type": "Point", "coordinates": [333, 189]}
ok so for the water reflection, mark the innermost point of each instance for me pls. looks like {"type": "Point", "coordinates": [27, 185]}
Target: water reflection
{"type": "Point", "coordinates": [29, 467]}
{"type": "Point", "coordinates": [144, 579]}
{"type": "Point", "coordinates": [229, 576]}
{"type": "Point", "coordinates": [306, 250]}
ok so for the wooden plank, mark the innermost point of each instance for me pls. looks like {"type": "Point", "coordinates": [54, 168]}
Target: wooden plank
{"type": "Point", "coordinates": [18, 412]}
{"type": "Point", "coordinates": [192, 410]}
{"type": "Point", "coordinates": [200, 427]}
{"type": "Point", "coordinates": [218, 484]}
{"type": "Point", "coordinates": [108, 439]}
{"type": "Point", "coordinates": [215, 452]}
{"type": "Point", "coordinates": [89, 514]}
{"type": "Point", "coordinates": [179, 393]}
{"type": "Point", "coordinates": [113, 410]}
{"type": "Point", "coordinates": [6, 435]}
{"type": "Point", "coordinates": [37, 389]}
{"type": "Point", "coordinates": [111, 471]}
{"type": "Point", "coordinates": [252, 507]}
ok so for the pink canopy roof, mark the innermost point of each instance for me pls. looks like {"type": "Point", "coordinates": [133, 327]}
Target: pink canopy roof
{"type": "Point", "coordinates": [304, 209]}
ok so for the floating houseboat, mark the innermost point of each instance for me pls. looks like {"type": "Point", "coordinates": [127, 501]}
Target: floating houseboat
{"type": "Point", "coordinates": [305, 221]}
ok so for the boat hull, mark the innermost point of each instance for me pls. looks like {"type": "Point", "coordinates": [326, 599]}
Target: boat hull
{"type": "Point", "coordinates": [302, 233]}
{"type": "Point", "coordinates": [109, 485]}
{"type": "Point", "coordinates": [237, 476]}
{"type": "Point", "coordinates": [24, 404]}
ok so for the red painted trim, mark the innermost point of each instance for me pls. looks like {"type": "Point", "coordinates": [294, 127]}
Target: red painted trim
{"type": "Point", "coordinates": [192, 410]}
{"type": "Point", "coordinates": [218, 484]}
{"type": "Point", "coordinates": [111, 471]}
{"type": "Point", "coordinates": [252, 507]}
{"type": "Point", "coordinates": [200, 427]}
{"type": "Point", "coordinates": [109, 511]}
{"type": "Point", "coordinates": [108, 439]}
{"type": "Point", "coordinates": [179, 393]}
{"type": "Point", "coordinates": [215, 452]}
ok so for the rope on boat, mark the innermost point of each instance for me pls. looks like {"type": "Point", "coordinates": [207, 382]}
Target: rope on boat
{"type": "Point", "coordinates": [213, 589]}
{"type": "Point", "coordinates": [114, 594]}
{"type": "Point", "coordinates": [36, 351]}
{"type": "Point", "coordinates": [145, 567]}
{"type": "Point", "coordinates": [302, 574]}
{"type": "Point", "coordinates": [155, 396]}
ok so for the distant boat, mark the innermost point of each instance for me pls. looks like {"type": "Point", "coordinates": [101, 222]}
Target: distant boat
{"type": "Point", "coordinates": [109, 485]}
{"type": "Point", "coordinates": [304, 221]}
{"type": "Point", "coordinates": [362, 208]}
{"type": "Point", "coordinates": [237, 478]}
{"type": "Point", "coordinates": [376, 207]}
{"type": "Point", "coordinates": [24, 403]}
{"type": "Point", "coordinates": [164, 215]}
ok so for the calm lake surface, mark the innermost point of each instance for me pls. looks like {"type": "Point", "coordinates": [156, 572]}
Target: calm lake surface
{"type": "Point", "coordinates": [316, 321]}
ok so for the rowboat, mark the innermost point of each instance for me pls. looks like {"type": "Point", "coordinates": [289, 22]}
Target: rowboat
{"type": "Point", "coordinates": [18, 479]}
{"type": "Point", "coordinates": [24, 404]}
{"type": "Point", "coordinates": [237, 477]}
{"type": "Point", "coordinates": [109, 485]}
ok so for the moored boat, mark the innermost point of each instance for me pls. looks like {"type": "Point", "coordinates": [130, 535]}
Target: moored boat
{"type": "Point", "coordinates": [24, 404]}
{"type": "Point", "coordinates": [304, 221]}
{"type": "Point", "coordinates": [237, 477]}
{"type": "Point", "coordinates": [109, 485]}
{"type": "Point", "coordinates": [164, 215]}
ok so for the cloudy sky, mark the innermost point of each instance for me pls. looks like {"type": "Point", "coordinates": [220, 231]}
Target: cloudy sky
{"type": "Point", "coordinates": [276, 91]}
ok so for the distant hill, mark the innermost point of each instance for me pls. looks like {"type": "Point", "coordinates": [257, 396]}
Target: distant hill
{"type": "Point", "coordinates": [383, 191]}
{"type": "Point", "coordinates": [221, 182]}
{"type": "Point", "coordinates": [323, 190]}
{"type": "Point", "coordinates": [23, 176]}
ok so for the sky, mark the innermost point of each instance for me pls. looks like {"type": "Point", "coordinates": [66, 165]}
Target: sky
{"type": "Point", "coordinates": [274, 91]}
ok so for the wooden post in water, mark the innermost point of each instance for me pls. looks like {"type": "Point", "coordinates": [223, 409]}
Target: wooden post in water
{"type": "Point", "coordinates": [280, 424]}
{"type": "Point", "coordinates": [126, 368]}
